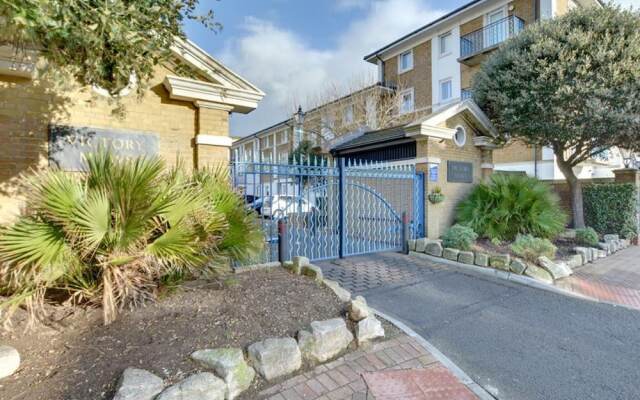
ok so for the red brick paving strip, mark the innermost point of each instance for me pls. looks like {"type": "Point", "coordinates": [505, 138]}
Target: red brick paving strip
{"type": "Point", "coordinates": [615, 279]}
{"type": "Point", "coordinates": [342, 379]}
{"type": "Point", "coordinates": [433, 383]}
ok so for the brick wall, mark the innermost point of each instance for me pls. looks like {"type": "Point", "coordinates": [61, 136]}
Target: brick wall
{"type": "Point", "coordinates": [516, 151]}
{"type": "Point", "coordinates": [525, 9]}
{"type": "Point", "coordinates": [27, 107]}
{"type": "Point", "coordinates": [562, 7]}
{"type": "Point", "coordinates": [419, 78]}
{"type": "Point", "coordinates": [441, 216]}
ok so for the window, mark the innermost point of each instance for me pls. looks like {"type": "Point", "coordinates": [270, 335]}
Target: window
{"type": "Point", "coordinates": [406, 101]}
{"type": "Point", "coordinates": [283, 137]}
{"type": "Point", "coordinates": [327, 124]}
{"type": "Point", "coordinates": [265, 142]}
{"type": "Point", "coordinates": [405, 61]}
{"type": "Point", "coordinates": [347, 118]}
{"type": "Point", "coordinates": [445, 43]}
{"type": "Point", "coordinates": [460, 137]}
{"type": "Point", "coordinates": [446, 90]}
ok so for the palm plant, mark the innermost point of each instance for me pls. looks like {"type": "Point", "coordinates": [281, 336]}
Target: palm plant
{"type": "Point", "coordinates": [107, 236]}
{"type": "Point", "coordinates": [510, 205]}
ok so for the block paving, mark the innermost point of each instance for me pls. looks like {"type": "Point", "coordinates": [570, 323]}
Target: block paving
{"type": "Point", "coordinates": [379, 371]}
{"type": "Point", "coordinates": [615, 279]}
{"type": "Point", "coordinates": [362, 273]}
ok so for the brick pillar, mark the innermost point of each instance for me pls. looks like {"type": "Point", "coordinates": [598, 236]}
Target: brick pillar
{"type": "Point", "coordinates": [212, 142]}
{"type": "Point", "coordinates": [627, 175]}
{"type": "Point", "coordinates": [487, 164]}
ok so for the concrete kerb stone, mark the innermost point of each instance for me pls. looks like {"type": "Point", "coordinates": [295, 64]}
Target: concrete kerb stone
{"type": "Point", "coordinates": [509, 276]}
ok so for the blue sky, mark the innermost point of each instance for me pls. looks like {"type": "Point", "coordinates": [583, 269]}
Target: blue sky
{"type": "Point", "coordinates": [295, 50]}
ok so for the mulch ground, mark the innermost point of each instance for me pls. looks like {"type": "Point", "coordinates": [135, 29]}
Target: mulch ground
{"type": "Point", "coordinates": [565, 247]}
{"type": "Point", "coordinates": [77, 358]}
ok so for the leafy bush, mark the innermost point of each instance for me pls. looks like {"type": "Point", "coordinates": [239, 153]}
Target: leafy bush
{"type": "Point", "coordinates": [530, 248]}
{"type": "Point", "coordinates": [611, 208]}
{"type": "Point", "coordinates": [510, 205]}
{"type": "Point", "coordinates": [459, 237]}
{"type": "Point", "coordinates": [587, 236]}
{"type": "Point", "coordinates": [112, 235]}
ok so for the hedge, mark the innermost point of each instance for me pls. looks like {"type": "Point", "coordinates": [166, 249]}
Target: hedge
{"type": "Point", "coordinates": [611, 208]}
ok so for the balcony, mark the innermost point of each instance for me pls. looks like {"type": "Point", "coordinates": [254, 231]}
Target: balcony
{"type": "Point", "coordinates": [475, 45]}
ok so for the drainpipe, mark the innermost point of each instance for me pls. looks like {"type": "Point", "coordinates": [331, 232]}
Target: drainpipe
{"type": "Point", "coordinates": [381, 76]}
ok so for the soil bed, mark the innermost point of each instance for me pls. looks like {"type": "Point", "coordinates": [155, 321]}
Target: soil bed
{"type": "Point", "coordinates": [565, 248]}
{"type": "Point", "coordinates": [76, 358]}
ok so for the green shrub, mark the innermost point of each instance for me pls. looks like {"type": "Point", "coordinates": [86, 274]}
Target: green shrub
{"type": "Point", "coordinates": [587, 236]}
{"type": "Point", "coordinates": [611, 208]}
{"type": "Point", "coordinates": [459, 237]}
{"type": "Point", "coordinates": [530, 248]}
{"type": "Point", "coordinates": [112, 235]}
{"type": "Point", "coordinates": [510, 205]}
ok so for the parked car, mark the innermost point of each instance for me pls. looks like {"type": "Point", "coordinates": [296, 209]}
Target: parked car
{"type": "Point", "coordinates": [280, 206]}
{"type": "Point", "coordinates": [250, 199]}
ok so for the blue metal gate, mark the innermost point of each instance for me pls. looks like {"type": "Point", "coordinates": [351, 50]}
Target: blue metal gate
{"type": "Point", "coordinates": [333, 209]}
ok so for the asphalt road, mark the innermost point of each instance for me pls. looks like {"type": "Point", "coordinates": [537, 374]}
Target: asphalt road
{"type": "Point", "coordinates": [519, 342]}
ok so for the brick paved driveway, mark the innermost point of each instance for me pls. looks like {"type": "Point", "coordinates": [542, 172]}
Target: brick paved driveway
{"type": "Point", "coordinates": [362, 273]}
{"type": "Point", "coordinates": [515, 341]}
{"type": "Point", "coordinates": [396, 369]}
{"type": "Point", "coordinates": [614, 279]}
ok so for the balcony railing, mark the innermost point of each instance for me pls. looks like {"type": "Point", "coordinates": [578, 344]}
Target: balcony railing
{"type": "Point", "coordinates": [490, 36]}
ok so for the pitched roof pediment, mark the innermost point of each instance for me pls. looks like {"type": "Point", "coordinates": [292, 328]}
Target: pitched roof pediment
{"type": "Point", "coordinates": [223, 86]}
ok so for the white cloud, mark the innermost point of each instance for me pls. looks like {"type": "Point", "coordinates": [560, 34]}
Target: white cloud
{"type": "Point", "coordinates": [283, 65]}
{"type": "Point", "coordinates": [350, 4]}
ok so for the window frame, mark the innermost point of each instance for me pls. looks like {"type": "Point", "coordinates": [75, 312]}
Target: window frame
{"type": "Point", "coordinates": [413, 101]}
{"type": "Point", "coordinates": [443, 81]}
{"type": "Point", "coordinates": [400, 57]}
{"type": "Point", "coordinates": [448, 34]}
{"type": "Point", "coordinates": [350, 112]}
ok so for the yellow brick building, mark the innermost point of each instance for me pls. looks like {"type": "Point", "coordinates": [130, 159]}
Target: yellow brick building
{"type": "Point", "coordinates": [177, 117]}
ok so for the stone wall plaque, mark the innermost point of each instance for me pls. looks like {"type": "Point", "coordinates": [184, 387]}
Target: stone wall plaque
{"type": "Point", "coordinates": [461, 172]}
{"type": "Point", "coordinates": [69, 145]}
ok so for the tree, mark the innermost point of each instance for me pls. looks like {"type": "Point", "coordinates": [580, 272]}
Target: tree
{"type": "Point", "coordinates": [305, 154]}
{"type": "Point", "coordinates": [572, 84]}
{"type": "Point", "coordinates": [358, 105]}
{"type": "Point", "coordinates": [102, 43]}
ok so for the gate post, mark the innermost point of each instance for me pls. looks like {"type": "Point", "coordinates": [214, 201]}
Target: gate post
{"type": "Point", "coordinates": [419, 220]}
{"type": "Point", "coordinates": [342, 237]}
{"type": "Point", "coordinates": [405, 232]}
{"type": "Point", "coordinates": [282, 241]}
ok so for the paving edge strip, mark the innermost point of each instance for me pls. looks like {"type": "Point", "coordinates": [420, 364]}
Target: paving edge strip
{"type": "Point", "coordinates": [522, 280]}
{"type": "Point", "coordinates": [444, 360]}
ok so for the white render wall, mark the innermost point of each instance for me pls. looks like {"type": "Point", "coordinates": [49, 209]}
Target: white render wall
{"type": "Point", "coordinates": [445, 67]}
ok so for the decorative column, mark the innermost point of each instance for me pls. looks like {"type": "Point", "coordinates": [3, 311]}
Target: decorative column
{"type": "Point", "coordinates": [212, 142]}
